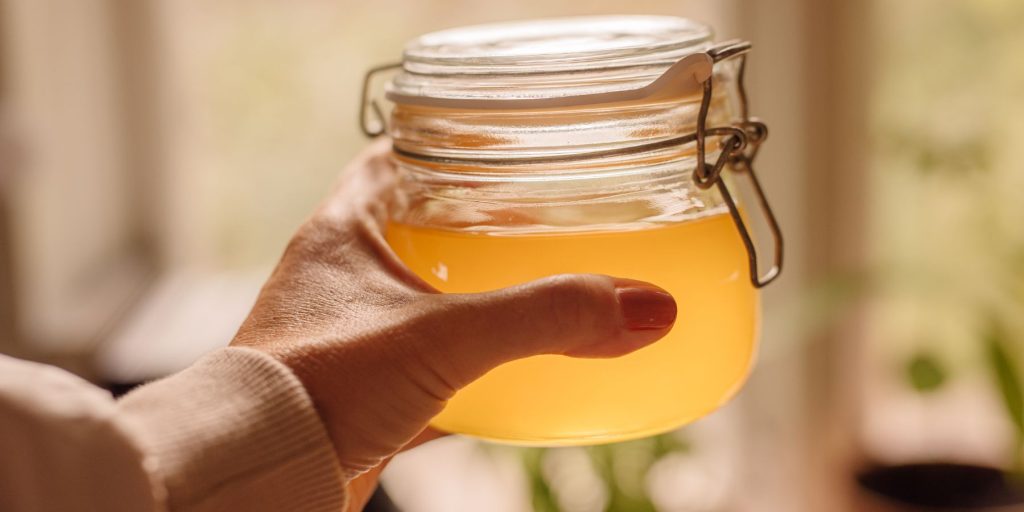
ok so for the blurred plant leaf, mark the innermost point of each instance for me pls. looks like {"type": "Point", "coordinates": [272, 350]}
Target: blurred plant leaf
{"type": "Point", "coordinates": [925, 373]}
{"type": "Point", "coordinates": [1007, 376]}
{"type": "Point", "coordinates": [932, 156]}
{"type": "Point", "coordinates": [606, 459]}
{"type": "Point", "coordinates": [543, 498]}
{"type": "Point", "coordinates": [669, 443]}
{"type": "Point", "coordinates": [622, 468]}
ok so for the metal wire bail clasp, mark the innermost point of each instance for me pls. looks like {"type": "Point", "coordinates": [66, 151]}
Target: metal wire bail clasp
{"type": "Point", "coordinates": [738, 149]}
{"type": "Point", "coordinates": [378, 124]}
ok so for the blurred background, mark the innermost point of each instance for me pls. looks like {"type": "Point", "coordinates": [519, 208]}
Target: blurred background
{"type": "Point", "coordinates": [155, 156]}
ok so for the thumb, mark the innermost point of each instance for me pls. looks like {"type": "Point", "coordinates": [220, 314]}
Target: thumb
{"type": "Point", "coordinates": [576, 315]}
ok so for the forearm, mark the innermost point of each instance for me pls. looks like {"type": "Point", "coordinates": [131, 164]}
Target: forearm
{"type": "Point", "coordinates": [236, 431]}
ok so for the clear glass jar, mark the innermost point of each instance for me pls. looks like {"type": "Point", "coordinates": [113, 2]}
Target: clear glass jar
{"type": "Point", "coordinates": [524, 150]}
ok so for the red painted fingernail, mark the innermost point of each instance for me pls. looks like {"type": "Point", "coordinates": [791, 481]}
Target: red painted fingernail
{"type": "Point", "coordinates": [645, 307]}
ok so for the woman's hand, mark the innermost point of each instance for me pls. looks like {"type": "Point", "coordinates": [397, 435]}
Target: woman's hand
{"type": "Point", "coordinates": [380, 351]}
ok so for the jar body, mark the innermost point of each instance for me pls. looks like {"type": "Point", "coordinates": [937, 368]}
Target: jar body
{"type": "Point", "coordinates": [558, 400]}
{"type": "Point", "coordinates": [474, 228]}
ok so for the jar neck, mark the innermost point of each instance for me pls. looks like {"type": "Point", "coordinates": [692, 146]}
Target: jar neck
{"type": "Point", "coordinates": [593, 196]}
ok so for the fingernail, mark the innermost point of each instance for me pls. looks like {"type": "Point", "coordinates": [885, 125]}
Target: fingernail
{"type": "Point", "coordinates": [645, 307]}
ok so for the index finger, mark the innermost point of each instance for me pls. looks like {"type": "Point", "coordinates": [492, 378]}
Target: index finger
{"type": "Point", "coordinates": [364, 185]}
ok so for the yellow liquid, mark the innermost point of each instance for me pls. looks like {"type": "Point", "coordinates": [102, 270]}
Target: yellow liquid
{"type": "Point", "coordinates": [558, 400]}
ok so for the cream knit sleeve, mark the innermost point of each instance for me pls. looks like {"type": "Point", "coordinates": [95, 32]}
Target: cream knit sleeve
{"type": "Point", "coordinates": [235, 431]}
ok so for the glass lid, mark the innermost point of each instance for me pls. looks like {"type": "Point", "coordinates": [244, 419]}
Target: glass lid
{"type": "Point", "coordinates": [545, 58]}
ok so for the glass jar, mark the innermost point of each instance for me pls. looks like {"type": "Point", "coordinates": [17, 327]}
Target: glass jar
{"type": "Point", "coordinates": [582, 145]}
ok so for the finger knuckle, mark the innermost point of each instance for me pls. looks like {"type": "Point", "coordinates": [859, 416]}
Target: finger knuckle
{"type": "Point", "coordinates": [574, 301]}
{"type": "Point", "coordinates": [432, 344]}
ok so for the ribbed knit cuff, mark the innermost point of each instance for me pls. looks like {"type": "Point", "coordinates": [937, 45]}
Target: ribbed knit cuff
{"type": "Point", "coordinates": [235, 431]}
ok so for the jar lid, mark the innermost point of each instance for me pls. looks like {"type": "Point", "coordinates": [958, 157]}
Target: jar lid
{"type": "Point", "coordinates": [544, 62]}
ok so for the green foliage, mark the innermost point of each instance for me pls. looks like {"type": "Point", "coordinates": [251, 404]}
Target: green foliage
{"type": "Point", "coordinates": [947, 107]}
{"type": "Point", "coordinates": [622, 468]}
{"type": "Point", "coordinates": [925, 373]}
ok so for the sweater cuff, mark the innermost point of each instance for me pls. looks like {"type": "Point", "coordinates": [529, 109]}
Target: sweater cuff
{"type": "Point", "coordinates": [235, 431]}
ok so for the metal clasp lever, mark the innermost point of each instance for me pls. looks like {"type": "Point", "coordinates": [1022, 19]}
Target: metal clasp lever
{"type": "Point", "coordinates": [379, 124]}
{"type": "Point", "coordinates": [738, 149]}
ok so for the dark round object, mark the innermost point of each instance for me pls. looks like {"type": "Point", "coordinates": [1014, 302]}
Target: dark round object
{"type": "Point", "coordinates": [943, 486]}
